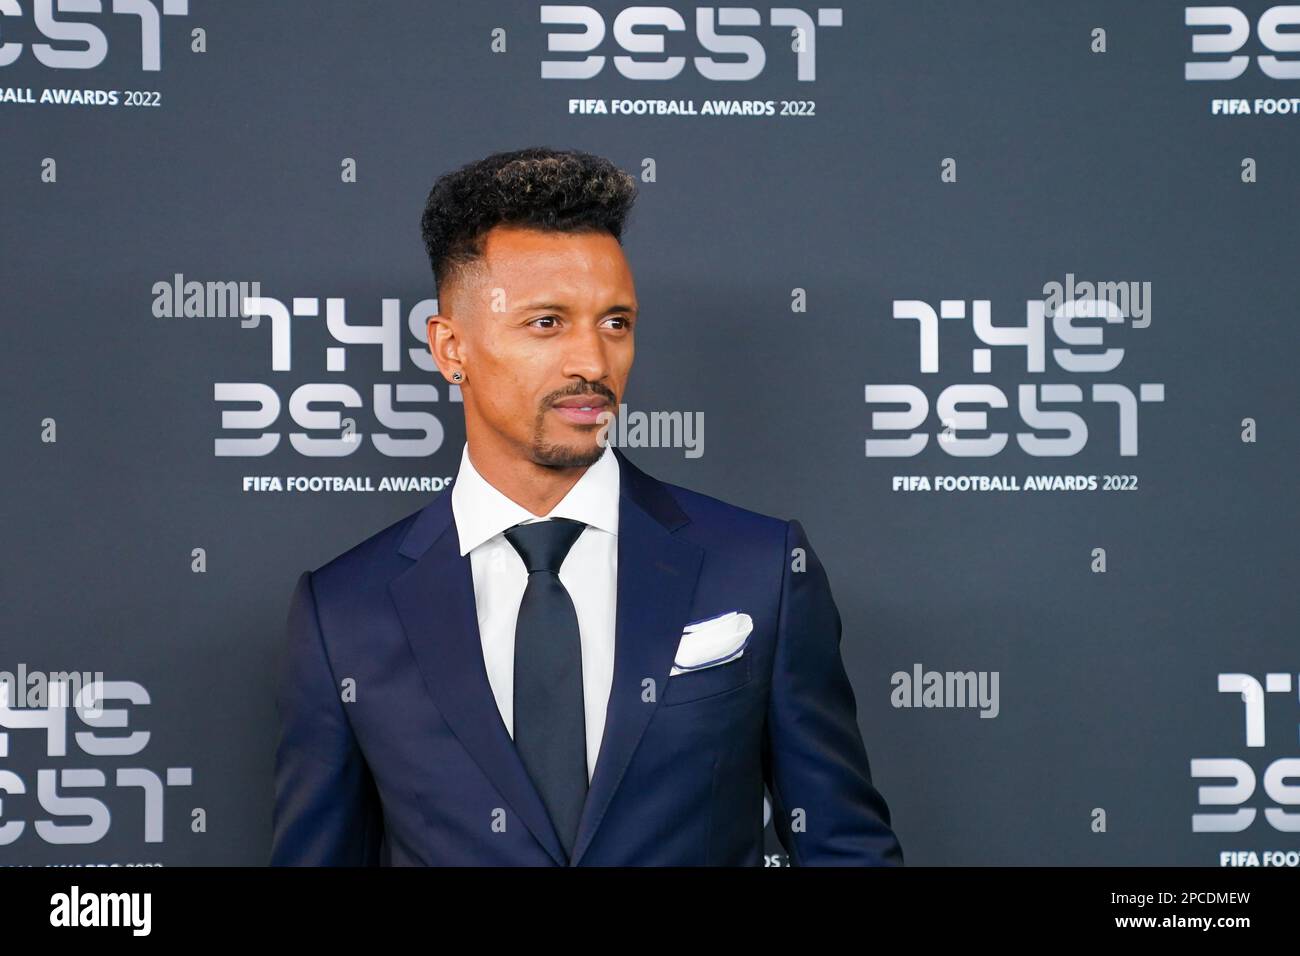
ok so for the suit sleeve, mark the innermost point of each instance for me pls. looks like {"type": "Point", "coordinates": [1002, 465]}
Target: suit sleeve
{"type": "Point", "coordinates": [814, 761]}
{"type": "Point", "coordinates": [327, 811]}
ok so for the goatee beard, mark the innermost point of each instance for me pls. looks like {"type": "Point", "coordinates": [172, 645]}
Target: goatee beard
{"type": "Point", "coordinates": [561, 456]}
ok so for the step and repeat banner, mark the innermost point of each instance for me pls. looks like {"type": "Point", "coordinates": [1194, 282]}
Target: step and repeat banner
{"type": "Point", "coordinates": [997, 299]}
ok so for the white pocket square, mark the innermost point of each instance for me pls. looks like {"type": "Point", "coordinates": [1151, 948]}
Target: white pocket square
{"type": "Point", "coordinates": [713, 641]}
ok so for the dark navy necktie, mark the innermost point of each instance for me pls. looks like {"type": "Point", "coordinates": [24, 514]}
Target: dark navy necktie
{"type": "Point", "coordinates": [550, 726]}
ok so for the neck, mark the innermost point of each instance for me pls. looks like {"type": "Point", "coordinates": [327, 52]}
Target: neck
{"type": "Point", "coordinates": [537, 488]}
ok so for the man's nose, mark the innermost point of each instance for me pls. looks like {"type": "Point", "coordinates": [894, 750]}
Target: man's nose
{"type": "Point", "coordinates": [585, 355]}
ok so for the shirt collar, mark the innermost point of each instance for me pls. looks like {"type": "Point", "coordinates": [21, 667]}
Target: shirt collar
{"type": "Point", "coordinates": [482, 512]}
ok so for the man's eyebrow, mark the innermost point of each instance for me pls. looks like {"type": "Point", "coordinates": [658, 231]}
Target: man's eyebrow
{"type": "Point", "coordinates": [558, 307]}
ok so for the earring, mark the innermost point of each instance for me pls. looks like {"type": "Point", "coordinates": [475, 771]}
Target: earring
{"type": "Point", "coordinates": [457, 376]}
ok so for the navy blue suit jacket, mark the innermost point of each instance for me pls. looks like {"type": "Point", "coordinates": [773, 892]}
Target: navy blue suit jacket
{"type": "Point", "coordinates": [419, 768]}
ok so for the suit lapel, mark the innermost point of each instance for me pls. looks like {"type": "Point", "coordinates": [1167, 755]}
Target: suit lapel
{"type": "Point", "coordinates": [435, 600]}
{"type": "Point", "coordinates": [657, 573]}
{"type": "Point", "coordinates": [656, 581]}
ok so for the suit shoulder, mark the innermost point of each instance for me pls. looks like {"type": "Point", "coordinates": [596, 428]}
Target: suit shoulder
{"type": "Point", "coordinates": [372, 558]}
{"type": "Point", "coordinates": [714, 516]}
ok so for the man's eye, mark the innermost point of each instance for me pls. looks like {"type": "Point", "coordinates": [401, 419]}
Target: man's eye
{"type": "Point", "coordinates": [619, 318]}
{"type": "Point", "coordinates": [545, 318]}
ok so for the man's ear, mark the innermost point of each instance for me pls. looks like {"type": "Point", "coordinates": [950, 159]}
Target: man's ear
{"type": "Point", "coordinates": [444, 344]}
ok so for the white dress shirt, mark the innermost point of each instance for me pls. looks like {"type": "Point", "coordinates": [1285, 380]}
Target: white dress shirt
{"type": "Point", "coordinates": [589, 573]}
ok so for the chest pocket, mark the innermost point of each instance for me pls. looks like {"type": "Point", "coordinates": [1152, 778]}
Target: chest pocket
{"type": "Point", "coordinates": [708, 681]}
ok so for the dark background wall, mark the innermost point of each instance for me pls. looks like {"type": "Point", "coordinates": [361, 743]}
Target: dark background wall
{"type": "Point", "coordinates": [1110, 166]}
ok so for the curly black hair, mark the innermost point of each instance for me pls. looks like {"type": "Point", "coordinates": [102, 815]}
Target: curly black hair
{"type": "Point", "coordinates": [537, 187]}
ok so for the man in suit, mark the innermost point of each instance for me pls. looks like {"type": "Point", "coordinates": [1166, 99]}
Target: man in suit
{"type": "Point", "coordinates": [563, 661]}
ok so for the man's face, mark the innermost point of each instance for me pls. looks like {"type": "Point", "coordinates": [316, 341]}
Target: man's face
{"type": "Point", "coordinates": [543, 325]}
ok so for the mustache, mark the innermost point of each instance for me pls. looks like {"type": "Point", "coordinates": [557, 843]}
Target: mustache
{"type": "Point", "coordinates": [591, 390]}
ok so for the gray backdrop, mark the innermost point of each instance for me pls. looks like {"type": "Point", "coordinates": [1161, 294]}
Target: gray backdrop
{"type": "Point", "coordinates": [769, 254]}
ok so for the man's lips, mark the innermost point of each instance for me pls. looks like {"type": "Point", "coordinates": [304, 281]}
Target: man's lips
{"type": "Point", "coordinates": [577, 401]}
{"type": "Point", "coordinates": [582, 409]}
